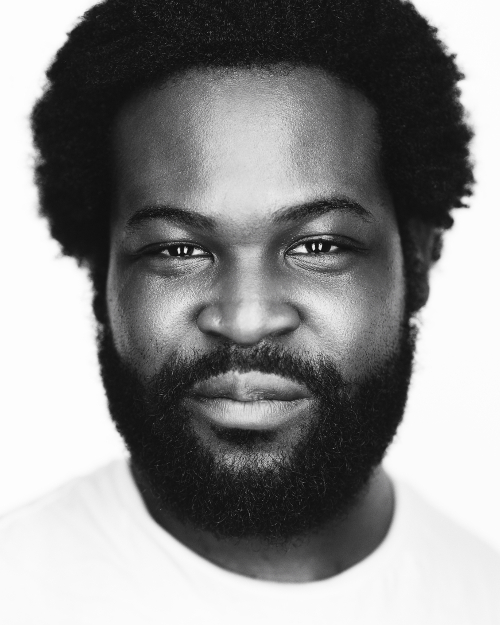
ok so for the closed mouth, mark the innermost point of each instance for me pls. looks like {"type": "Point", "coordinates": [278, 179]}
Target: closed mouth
{"type": "Point", "coordinates": [251, 400]}
{"type": "Point", "coordinates": [250, 386]}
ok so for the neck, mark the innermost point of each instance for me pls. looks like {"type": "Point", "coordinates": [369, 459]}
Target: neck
{"type": "Point", "coordinates": [324, 553]}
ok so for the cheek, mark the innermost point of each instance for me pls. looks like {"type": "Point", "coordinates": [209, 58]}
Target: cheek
{"type": "Point", "coordinates": [358, 321]}
{"type": "Point", "coordinates": [147, 323]}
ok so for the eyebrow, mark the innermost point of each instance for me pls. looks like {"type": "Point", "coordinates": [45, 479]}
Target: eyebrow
{"type": "Point", "coordinates": [288, 214]}
{"type": "Point", "coordinates": [316, 208]}
{"type": "Point", "coordinates": [171, 213]}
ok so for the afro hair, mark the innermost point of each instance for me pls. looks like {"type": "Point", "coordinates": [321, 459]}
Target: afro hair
{"type": "Point", "coordinates": [383, 48]}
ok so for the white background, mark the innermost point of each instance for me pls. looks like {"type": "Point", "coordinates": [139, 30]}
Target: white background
{"type": "Point", "coordinates": [53, 417]}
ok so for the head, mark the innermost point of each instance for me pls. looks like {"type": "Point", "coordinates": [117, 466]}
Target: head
{"type": "Point", "coordinates": [258, 196]}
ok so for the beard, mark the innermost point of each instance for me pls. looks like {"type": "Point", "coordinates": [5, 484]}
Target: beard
{"type": "Point", "coordinates": [307, 481]}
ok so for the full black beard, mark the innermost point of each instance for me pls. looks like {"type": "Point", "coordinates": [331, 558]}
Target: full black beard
{"type": "Point", "coordinates": [315, 481]}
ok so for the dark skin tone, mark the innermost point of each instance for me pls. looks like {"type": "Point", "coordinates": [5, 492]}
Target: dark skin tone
{"type": "Point", "coordinates": [250, 207]}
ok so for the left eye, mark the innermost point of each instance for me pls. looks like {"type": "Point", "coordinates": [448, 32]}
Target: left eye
{"type": "Point", "coordinates": [318, 246]}
{"type": "Point", "coordinates": [182, 250]}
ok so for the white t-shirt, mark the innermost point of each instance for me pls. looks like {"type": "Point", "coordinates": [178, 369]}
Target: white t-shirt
{"type": "Point", "coordinates": [91, 554]}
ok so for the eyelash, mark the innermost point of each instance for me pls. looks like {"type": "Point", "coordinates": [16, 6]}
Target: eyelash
{"type": "Point", "coordinates": [182, 249]}
{"type": "Point", "coordinates": [316, 245]}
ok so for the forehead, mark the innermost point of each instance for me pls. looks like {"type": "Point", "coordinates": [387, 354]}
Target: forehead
{"type": "Point", "coordinates": [245, 141]}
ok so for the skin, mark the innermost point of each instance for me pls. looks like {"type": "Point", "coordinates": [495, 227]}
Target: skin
{"type": "Point", "coordinates": [245, 148]}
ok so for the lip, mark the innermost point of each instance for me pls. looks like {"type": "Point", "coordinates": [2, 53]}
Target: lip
{"type": "Point", "coordinates": [251, 386]}
{"type": "Point", "coordinates": [251, 400]}
{"type": "Point", "coordinates": [248, 415]}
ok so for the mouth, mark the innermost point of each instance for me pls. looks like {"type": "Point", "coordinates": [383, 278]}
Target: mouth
{"type": "Point", "coordinates": [251, 400]}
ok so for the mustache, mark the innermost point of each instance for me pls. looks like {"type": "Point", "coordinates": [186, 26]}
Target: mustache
{"type": "Point", "coordinates": [182, 372]}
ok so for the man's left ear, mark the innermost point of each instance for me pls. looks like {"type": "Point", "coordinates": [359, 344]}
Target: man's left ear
{"type": "Point", "coordinates": [423, 249]}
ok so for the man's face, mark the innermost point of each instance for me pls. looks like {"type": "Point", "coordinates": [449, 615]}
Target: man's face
{"type": "Point", "coordinates": [251, 215]}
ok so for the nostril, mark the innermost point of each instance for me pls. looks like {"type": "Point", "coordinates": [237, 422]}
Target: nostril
{"type": "Point", "coordinates": [209, 320]}
{"type": "Point", "coordinates": [247, 323]}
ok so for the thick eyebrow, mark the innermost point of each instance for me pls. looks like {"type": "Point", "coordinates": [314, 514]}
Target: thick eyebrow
{"type": "Point", "coordinates": [172, 213]}
{"type": "Point", "coordinates": [315, 208]}
{"type": "Point", "coordinates": [192, 218]}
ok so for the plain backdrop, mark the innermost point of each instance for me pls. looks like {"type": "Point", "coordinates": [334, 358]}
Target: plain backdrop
{"type": "Point", "coordinates": [53, 416]}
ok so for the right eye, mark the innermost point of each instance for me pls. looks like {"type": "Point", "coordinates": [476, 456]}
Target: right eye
{"type": "Point", "coordinates": [182, 250]}
{"type": "Point", "coordinates": [316, 247]}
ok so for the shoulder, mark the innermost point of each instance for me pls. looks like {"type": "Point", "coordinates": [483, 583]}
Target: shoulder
{"type": "Point", "coordinates": [428, 528]}
{"type": "Point", "coordinates": [83, 488]}
{"type": "Point", "coordinates": [446, 563]}
{"type": "Point", "coordinates": [55, 553]}
{"type": "Point", "coordinates": [67, 524]}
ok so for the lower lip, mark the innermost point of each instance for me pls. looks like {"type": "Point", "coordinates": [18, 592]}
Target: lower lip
{"type": "Point", "coordinates": [248, 415]}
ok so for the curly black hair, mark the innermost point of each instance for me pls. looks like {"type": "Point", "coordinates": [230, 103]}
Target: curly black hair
{"type": "Point", "coordinates": [383, 48]}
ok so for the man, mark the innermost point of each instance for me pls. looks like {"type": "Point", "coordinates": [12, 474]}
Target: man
{"type": "Point", "coordinates": [258, 193]}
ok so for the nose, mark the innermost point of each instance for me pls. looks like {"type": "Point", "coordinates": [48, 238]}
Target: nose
{"type": "Point", "coordinates": [248, 309]}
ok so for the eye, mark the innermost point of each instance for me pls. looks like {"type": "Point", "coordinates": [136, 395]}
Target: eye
{"type": "Point", "coordinates": [315, 247]}
{"type": "Point", "coordinates": [182, 250]}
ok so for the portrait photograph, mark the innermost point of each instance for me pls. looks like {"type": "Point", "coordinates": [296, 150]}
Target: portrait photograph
{"type": "Point", "coordinates": [250, 338]}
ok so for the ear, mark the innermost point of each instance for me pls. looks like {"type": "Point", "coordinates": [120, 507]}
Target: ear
{"type": "Point", "coordinates": [423, 247]}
